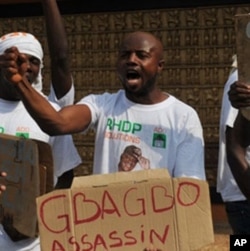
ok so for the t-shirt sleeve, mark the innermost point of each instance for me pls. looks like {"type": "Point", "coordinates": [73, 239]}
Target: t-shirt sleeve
{"type": "Point", "coordinates": [190, 154]}
{"type": "Point", "coordinates": [96, 104]}
{"type": "Point", "coordinates": [67, 99]}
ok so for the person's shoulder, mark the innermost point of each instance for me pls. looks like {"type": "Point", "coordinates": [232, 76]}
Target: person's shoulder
{"type": "Point", "coordinates": [113, 94]}
{"type": "Point", "coordinates": [108, 95]}
{"type": "Point", "coordinates": [101, 99]}
{"type": "Point", "coordinates": [112, 97]}
{"type": "Point", "coordinates": [182, 106]}
{"type": "Point", "coordinates": [179, 102]}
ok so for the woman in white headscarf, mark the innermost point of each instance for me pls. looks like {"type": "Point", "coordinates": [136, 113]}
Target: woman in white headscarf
{"type": "Point", "coordinates": [26, 43]}
{"type": "Point", "coordinates": [62, 88]}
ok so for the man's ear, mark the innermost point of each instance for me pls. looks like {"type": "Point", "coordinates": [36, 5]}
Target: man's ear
{"type": "Point", "coordinates": [161, 65]}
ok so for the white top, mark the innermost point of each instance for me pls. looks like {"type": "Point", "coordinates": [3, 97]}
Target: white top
{"type": "Point", "coordinates": [166, 135]}
{"type": "Point", "coordinates": [226, 184]}
{"type": "Point", "coordinates": [15, 120]}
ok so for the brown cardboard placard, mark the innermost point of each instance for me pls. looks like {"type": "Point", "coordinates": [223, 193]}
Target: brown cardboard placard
{"type": "Point", "coordinates": [127, 211]}
{"type": "Point", "coordinates": [22, 159]}
{"type": "Point", "coordinates": [242, 30]}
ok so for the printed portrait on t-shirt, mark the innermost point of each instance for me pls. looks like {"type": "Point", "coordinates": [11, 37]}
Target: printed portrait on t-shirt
{"type": "Point", "coordinates": [130, 158]}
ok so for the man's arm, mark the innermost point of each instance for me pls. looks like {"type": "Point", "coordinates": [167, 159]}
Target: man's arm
{"type": "Point", "coordinates": [237, 141]}
{"type": "Point", "coordinates": [68, 120]}
{"type": "Point", "coordinates": [58, 49]}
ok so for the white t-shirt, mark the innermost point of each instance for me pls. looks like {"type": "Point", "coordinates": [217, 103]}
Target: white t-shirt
{"type": "Point", "coordinates": [165, 135]}
{"type": "Point", "coordinates": [15, 120]}
{"type": "Point", "coordinates": [226, 184]}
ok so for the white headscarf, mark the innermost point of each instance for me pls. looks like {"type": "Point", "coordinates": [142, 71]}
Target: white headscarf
{"type": "Point", "coordinates": [27, 44]}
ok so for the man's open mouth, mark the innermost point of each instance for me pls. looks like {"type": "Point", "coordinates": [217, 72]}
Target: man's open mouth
{"type": "Point", "coordinates": [133, 75]}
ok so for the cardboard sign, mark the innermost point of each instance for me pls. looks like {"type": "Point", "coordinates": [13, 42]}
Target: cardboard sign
{"type": "Point", "coordinates": [242, 28]}
{"type": "Point", "coordinates": [29, 168]}
{"type": "Point", "coordinates": [126, 211]}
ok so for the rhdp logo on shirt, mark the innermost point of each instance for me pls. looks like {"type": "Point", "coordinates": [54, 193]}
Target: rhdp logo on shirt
{"type": "Point", "coordinates": [159, 140]}
{"type": "Point", "coordinates": [123, 126]}
{"type": "Point", "coordinates": [24, 135]}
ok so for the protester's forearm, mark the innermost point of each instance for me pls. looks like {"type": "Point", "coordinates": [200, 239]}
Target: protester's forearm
{"type": "Point", "coordinates": [58, 48]}
{"type": "Point", "coordinates": [55, 29]}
